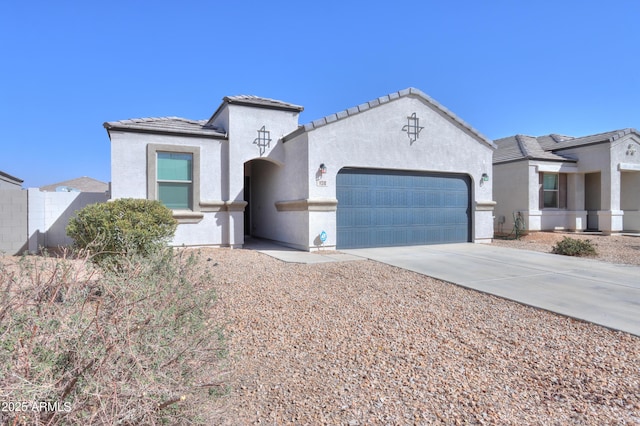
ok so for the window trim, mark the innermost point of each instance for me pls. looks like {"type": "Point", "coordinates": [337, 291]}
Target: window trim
{"type": "Point", "coordinates": [561, 192]}
{"type": "Point", "coordinates": [152, 171]}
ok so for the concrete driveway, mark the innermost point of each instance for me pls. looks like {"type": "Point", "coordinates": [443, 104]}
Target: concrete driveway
{"type": "Point", "coordinates": [589, 290]}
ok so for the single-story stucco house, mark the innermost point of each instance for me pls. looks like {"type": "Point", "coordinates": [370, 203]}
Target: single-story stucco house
{"type": "Point", "coordinates": [398, 170]}
{"type": "Point", "coordinates": [568, 183]}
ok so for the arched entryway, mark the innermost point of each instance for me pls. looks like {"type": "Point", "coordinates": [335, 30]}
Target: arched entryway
{"type": "Point", "coordinates": [260, 189]}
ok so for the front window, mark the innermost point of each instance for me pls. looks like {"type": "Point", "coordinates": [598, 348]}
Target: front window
{"type": "Point", "coordinates": [551, 190]}
{"type": "Point", "coordinates": [173, 173]}
{"type": "Point", "coordinates": [175, 180]}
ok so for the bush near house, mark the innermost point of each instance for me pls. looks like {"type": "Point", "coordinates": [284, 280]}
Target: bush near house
{"type": "Point", "coordinates": [121, 227]}
{"type": "Point", "coordinates": [573, 247]}
{"type": "Point", "coordinates": [136, 345]}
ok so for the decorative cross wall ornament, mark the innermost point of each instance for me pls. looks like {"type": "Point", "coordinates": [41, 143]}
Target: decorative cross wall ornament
{"type": "Point", "coordinates": [631, 149]}
{"type": "Point", "coordinates": [263, 140]}
{"type": "Point", "coordinates": [412, 127]}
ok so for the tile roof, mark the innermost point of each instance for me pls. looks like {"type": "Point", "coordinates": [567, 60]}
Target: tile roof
{"type": "Point", "coordinates": [556, 142]}
{"type": "Point", "coordinates": [251, 100]}
{"type": "Point", "coordinates": [383, 100]}
{"type": "Point", "coordinates": [520, 147]}
{"type": "Point", "coordinates": [170, 125]}
{"type": "Point", "coordinates": [82, 184]}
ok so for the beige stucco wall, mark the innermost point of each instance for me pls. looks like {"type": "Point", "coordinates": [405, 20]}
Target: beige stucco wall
{"type": "Point", "coordinates": [286, 203]}
{"type": "Point", "coordinates": [129, 179]}
{"type": "Point", "coordinates": [510, 187]}
{"type": "Point", "coordinates": [375, 139]}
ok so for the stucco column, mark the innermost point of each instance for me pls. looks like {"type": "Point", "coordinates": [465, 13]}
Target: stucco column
{"type": "Point", "coordinates": [236, 223]}
{"type": "Point", "coordinates": [576, 213]}
{"type": "Point", "coordinates": [610, 218]}
{"type": "Point", "coordinates": [533, 216]}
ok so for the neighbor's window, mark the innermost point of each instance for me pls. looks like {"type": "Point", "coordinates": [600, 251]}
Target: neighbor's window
{"type": "Point", "coordinates": [553, 190]}
{"type": "Point", "coordinates": [175, 180]}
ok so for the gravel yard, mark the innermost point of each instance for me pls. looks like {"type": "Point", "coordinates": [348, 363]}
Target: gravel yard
{"type": "Point", "coordinates": [613, 249]}
{"type": "Point", "coordinates": [360, 343]}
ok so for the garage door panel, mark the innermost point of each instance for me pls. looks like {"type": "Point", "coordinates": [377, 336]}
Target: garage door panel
{"type": "Point", "coordinates": [378, 208]}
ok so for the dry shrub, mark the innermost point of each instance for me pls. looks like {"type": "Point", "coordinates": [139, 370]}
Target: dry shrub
{"type": "Point", "coordinates": [574, 247]}
{"type": "Point", "coordinates": [130, 346]}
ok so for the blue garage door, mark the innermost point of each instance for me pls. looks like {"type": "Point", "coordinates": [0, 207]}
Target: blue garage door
{"type": "Point", "coordinates": [382, 208]}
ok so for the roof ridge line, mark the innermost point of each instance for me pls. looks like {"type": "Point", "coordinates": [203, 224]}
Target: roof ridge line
{"type": "Point", "coordinates": [521, 146]}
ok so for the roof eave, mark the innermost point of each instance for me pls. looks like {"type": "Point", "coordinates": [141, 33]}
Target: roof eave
{"type": "Point", "coordinates": [140, 129]}
{"type": "Point", "coordinates": [13, 178]}
{"type": "Point", "coordinates": [451, 115]}
{"type": "Point", "coordinates": [554, 150]}
{"type": "Point", "coordinates": [242, 102]}
{"type": "Point", "coordinates": [297, 132]}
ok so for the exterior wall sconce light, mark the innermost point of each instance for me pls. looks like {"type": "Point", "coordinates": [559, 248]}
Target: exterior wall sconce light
{"type": "Point", "coordinates": [322, 169]}
{"type": "Point", "coordinates": [485, 177]}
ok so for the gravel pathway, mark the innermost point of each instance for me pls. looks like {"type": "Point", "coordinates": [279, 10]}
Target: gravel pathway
{"type": "Point", "coordinates": [362, 343]}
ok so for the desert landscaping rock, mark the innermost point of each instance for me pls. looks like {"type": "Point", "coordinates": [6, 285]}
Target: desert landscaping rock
{"type": "Point", "coordinates": [613, 248]}
{"type": "Point", "coordinates": [360, 343]}
{"type": "Point", "coordinates": [363, 343]}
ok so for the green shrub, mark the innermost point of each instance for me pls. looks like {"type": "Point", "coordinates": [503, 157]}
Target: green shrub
{"type": "Point", "coordinates": [121, 227]}
{"type": "Point", "coordinates": [573, 247]}
{"type": "Point", "coordinates": [138, 345]}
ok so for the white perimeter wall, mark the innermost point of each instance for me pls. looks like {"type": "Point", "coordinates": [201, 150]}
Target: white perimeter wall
{"type": "Point", "coordinates": [49, 214]}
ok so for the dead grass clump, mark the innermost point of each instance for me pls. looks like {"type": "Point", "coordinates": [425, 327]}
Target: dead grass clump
{"type": "Point", "coordinates": [80, 345]}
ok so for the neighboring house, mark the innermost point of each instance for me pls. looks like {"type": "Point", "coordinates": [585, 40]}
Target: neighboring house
{"type": "Point", "coordinates": [13, 215]}
{"type": "Point", "coordinates": [81, 184]}
{"type": "Point", "coordinates": [51, 207]}
{"type": "Point", "coordinates": [559, 182]}
{"type": "Point", "coordinates": [31, 219]}
{"type": "Point", "coordinates": [398, 170]}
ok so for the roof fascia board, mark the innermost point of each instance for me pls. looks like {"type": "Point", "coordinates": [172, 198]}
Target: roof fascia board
{"type": "Point", "coordinates": [555, 150]}
{"type": "Point", "coordinates": [134, 129]}
{"type": "Point", "coordinates": [556, 168]}
{"type": "Point", "coordinates": [449, 114]}
{"type": "Point", "coordinates": [515, 160]}
{"type": "Point", "coordinates": [229, 101]}
{"type": "Point", "coordinates": [248, 103]}
{"type": "Point", "coordinates": [11, 179]}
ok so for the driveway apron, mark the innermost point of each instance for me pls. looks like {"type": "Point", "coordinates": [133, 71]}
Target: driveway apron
{"type": "Point", "coordinates": [586, 289]}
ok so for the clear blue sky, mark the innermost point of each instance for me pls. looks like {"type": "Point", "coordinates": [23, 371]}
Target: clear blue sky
{"type": "Point", "coordinates": [505, 67]}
